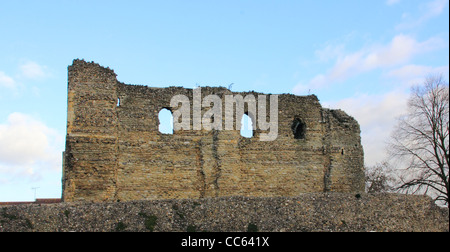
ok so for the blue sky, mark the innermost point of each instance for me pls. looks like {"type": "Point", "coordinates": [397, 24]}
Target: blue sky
{"type": "Point", "coordinates": [359, 56]}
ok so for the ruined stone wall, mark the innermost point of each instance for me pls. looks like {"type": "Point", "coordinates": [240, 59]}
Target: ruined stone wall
{"type": "Point", "coordinates": [311, 212]}
{"type": "Point", "coordinates": [115, 152]}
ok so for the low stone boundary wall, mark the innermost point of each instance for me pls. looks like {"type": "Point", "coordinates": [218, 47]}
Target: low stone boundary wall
{"type": "Point", "coordinates": [312, 212]}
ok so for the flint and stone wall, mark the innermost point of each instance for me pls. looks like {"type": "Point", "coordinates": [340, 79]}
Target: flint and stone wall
{"type": "Point", "coordinates": [310, 212]}
{"type": "Point", "coordinates": [115, 152]}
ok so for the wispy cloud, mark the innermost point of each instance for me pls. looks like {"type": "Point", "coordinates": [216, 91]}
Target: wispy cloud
{"type": "Point", "coordinates": [26, 72]}
{"type": "Point", "coordinates": [400, 50]}
{"type": "Point", "coordinates": [428, 11]}
{"type": "Point", "coordinates": [414, 74]}
{"type": "Point", "coordinates": [330, 52]}
{"type": "Point", "coordinates": [434, 8]}
{"type": "Point", "coordinates": [6, 81]}
{"type": "Point", "coordinates": [33, 70]}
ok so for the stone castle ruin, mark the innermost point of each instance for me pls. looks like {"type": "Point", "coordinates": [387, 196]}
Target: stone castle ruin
{"type": "Point", "coordinates": [115, 151]}
{"type": "Point", "coordinates": [205, 176]}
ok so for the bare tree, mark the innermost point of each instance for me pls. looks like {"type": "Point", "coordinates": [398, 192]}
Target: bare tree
{"type": "Point", "coordinates": [380, 178]}
{"type": "Point", "coordinates": [421, 140]}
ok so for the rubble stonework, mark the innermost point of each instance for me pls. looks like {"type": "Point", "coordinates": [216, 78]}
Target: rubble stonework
{"type": "Point", "coordinates": [115, 152]}
{"type": "Point", "coordinates": [309, 212]}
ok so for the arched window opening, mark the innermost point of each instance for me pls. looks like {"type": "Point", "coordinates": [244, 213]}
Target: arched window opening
{"type": "Point", "coordinates": [299, 129]}
{"type": "Point", "coordinates": [247, 126]}
{"type": "Point", "coordinates": [165, 121]}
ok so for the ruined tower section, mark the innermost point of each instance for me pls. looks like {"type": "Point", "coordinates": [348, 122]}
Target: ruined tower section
{"type": "Point", "coordinates": [90, 159]}
{"type": "Point", "coordinates": [343, 152]}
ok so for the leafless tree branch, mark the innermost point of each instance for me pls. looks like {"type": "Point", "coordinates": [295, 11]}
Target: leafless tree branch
{"type": "Point", "coordinates": [421, 138]}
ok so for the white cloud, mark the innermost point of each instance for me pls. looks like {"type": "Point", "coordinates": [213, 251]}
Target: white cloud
{"type": "Point", "coordinates": [28, 147]}
{"type": "Point", "coordinates": [28, 71]}
{"type": "Point", "coordinates": [415, 74]}
{"type": "Point", "coordinates": [32, 70]}
{"type": "Point", "coordinates": [376, 115]}
{"type": "Point", "coordinates": [345, 66]}
{"type": "Point", "coordinates": [330, 52]}
{"type": "Point", "coordinates": [6, 81]}
{"type": "Point", "coordinates": [434, 8]}
{"type": "Point", "coordinates": [429, 10]}
{"type": "Point", "coordinates": [400, 50]}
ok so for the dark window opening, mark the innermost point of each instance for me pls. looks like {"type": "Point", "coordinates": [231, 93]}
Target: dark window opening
{"type": "Point", "coordinates": [299, 129]}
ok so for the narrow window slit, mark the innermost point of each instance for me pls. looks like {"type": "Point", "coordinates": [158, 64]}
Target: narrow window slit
{"type": "Point", "coordinates": [247, 126]}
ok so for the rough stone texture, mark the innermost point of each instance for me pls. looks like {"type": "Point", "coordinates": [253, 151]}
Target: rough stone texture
{"type": "Point", "coordinates": [114, 151]}
{"type": "Point", "coordinates": [312, 212]}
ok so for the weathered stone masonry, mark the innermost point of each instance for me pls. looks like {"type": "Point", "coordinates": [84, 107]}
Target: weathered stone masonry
{"type": "Point", "coordinates": [115, 152]}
